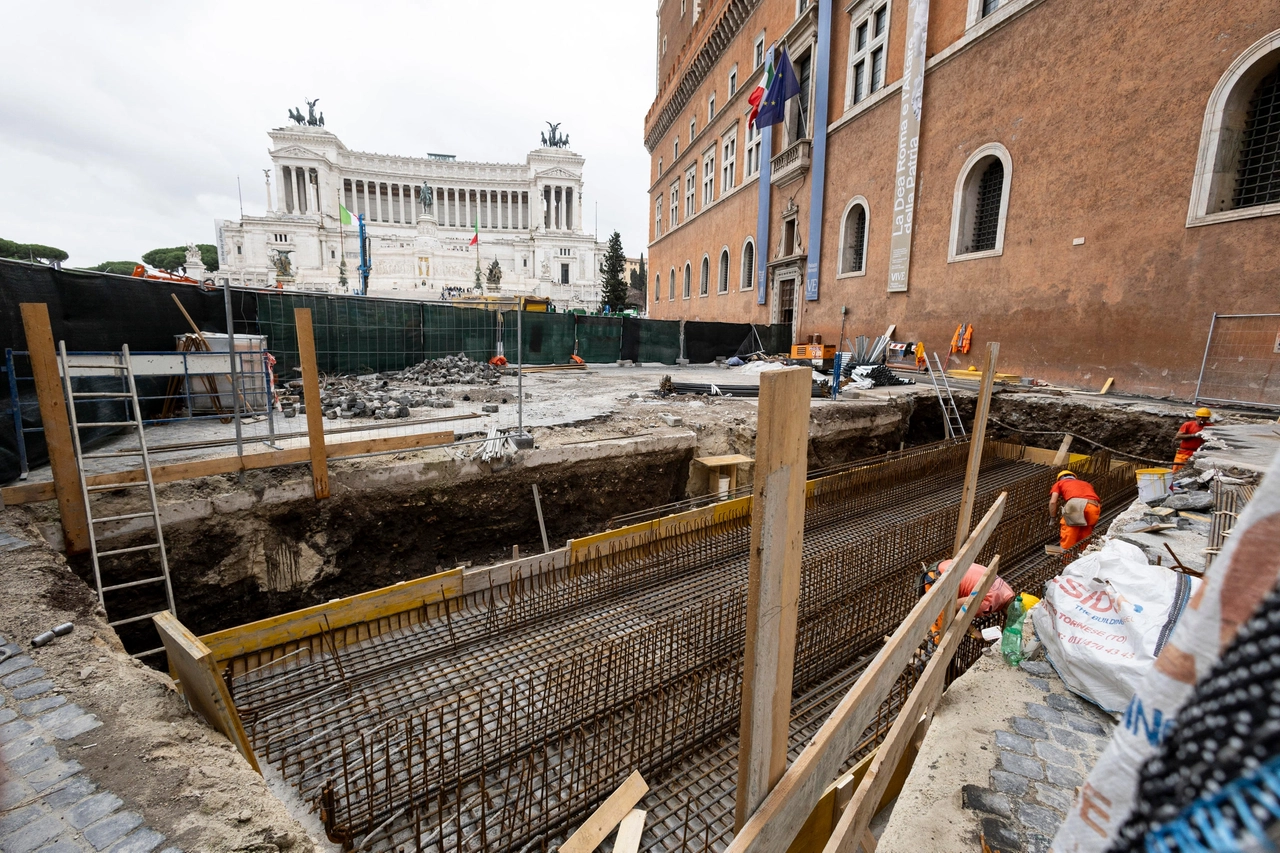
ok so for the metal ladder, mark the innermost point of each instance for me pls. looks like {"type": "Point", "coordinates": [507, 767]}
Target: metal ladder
{"type": "Point", "coordinates": [130, 398]}
{"type": "Point", "coordinates": [951, 415]}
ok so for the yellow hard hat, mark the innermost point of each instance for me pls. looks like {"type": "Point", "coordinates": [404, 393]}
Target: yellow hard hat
{"type": "Point", "coordinates": [1203, 413]}
{"type": "Point", "coordinates": [1062, 474]}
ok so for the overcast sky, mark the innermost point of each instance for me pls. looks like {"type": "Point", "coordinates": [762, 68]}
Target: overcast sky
{"type": "Point", "coordinates": [124, 124]}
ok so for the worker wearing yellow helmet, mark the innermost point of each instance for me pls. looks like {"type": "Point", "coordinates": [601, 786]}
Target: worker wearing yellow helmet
{"type": "Point", "coordinates": [1189, 440]}
{"type": "Point", "coordinates": [1080, 507]}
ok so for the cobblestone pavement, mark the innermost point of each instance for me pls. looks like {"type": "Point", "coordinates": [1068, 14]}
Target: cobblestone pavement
{"type": "Point", "coordinates": [1042, 758]}
{"type": "Point", "coordinates": [48, 805]}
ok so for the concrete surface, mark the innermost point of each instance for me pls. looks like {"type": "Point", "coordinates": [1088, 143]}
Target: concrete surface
{"type": "Point", "coordinates": [1249, 447]}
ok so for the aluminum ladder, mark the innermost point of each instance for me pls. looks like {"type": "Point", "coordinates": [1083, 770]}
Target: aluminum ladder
{"type": "Point", "coordinates": [129, 398]}
{"type": "Point", "coordinates": [950, 414]}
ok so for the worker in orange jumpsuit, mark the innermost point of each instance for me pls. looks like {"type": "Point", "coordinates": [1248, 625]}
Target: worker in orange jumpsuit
{"type": "Point", "coordinates": [920, 361]}
{"type": "Point", "coordinates": [996, 599]}
{"type": "Point", "coordinates": [1189, 440]}
{"type": "Point", "coordinates": [1080, 509]}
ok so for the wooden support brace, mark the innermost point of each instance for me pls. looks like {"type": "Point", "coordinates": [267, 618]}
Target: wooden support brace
{"type": "Point", "coordinates": [311, 397]}
{"type": "Point", "coordinates": [976, 438]}
{"type": "Point", "coordinates": [773, 585]}
{"type": "Point", "coordinates": [792, 800]}
{"type": "Point", "coordinates": [629, 832]}
{"type": "Point", "coordinates": [57, 428]}
{"type": "Point", "coordinates": [610, 814]}
{"type": "Point", "coordinates": [1064, 452]}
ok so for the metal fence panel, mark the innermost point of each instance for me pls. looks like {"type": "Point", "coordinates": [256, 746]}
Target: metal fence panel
{"type": "Point", "coordinates": [1242, 361]}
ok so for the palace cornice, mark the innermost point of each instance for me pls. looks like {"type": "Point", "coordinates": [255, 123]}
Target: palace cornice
{"type": "Point", "coordinates": [710, 39]}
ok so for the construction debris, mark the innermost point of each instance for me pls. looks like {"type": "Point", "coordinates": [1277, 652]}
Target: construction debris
{"type": "Point", "coordinates": [391, 395]}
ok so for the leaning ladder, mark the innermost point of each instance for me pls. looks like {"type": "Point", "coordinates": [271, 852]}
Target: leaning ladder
{"type": "Point", "coordinates": [134, 413]}
{"type": "Point", "coordinates": [950, 414]}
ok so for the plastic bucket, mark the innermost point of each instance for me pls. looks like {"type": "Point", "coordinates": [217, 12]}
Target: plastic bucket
{"type": "Point", "coordinates": [1153, 483]}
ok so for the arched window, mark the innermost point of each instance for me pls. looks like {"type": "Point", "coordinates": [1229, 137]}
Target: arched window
{"type": "Point", "coordinates": [657, 288]}
{"type": "Point", "coordinates": [688, 278]}
{"type": "Point", "coordinates": [671, 284]}
{"type": "Point", "coordinates": [705, 276]}
{"type": "Point", "coordinates": [748, 280]}
{"type": "Point", "coordinates": [853, 238]}
{"type": "Point", "coordinates": [722, 284]}
{"type": "Point", "coordinates": [1238, 169]}
{"type": "Point", "coordinates": [981, 204]}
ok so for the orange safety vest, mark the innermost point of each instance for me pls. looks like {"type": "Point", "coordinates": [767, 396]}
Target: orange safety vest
{"type": "Point", "coordinates": [962, 339]}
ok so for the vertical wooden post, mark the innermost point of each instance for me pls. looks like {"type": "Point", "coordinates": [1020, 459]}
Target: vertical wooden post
{"type": "Point", "coordinates": [975, 449]}
{"type": "Point", "coordinates": [311, 397]}
{"type": "Point", "coordinates": [773, 590]}
{"type": "Point", "coordinates": [57, 428]}
{"type": "Point", "coordinates": [1064, 452]}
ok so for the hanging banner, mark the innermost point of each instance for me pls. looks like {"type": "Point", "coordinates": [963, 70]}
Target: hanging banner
{"type": "Point", "coordinates": [904, 197]}
{"type": "Point", "coordinates": [818, 167]}
{"type": "Point", "coordinates": [764, 194]}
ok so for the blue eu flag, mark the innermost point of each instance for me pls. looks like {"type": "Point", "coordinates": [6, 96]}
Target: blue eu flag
{"type": "Point", "coordinates": [784, 87]}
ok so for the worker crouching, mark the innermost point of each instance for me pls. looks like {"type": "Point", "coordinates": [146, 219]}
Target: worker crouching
{"type": "Point", "coordinates": [1079, 507]}
{"type": "Point", "coordinates": [996, 599]}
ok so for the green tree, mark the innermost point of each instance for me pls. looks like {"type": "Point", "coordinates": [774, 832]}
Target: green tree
{"type": "Point", "coordinates": [116, 267]}
{"type": "Point", "coordinates": [175, 258]}
{"type": "Point", "coordinates": [613, 290]}
{"type": "Point", "coordinates": [342, 273]}
{"type": "Point", "coordinates": [30, 251]}
{"type": "Point", "coordinates": [639, 284]}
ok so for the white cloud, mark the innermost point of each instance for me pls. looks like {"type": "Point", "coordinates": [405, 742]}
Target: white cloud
{"type": "Point", "coordinates": [124, 125]}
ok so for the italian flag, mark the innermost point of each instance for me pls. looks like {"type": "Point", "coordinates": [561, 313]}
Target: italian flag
{"type": "Point", "coordinates": [758, 94]}
{"type": "Point", "coordinates": [347, 217]}
{"type": "Point", "coordinates": [475, 238]}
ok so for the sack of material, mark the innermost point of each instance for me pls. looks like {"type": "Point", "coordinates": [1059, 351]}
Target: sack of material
{"type": "Point", "coordinates": [1106, 617]}
{"type": "Point", "coordinates": [1073, 512]}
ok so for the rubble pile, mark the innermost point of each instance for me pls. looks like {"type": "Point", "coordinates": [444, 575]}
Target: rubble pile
{"type": "Point", "coordinates": [450, 370]}
{"type": "Point", "coordinates": [391, 395]}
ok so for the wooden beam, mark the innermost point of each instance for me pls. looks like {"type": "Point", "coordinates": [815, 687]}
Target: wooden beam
{"type": "Point", "coordinates": [57, 428]}
{"type": "Point", "coordinates": [610, 814]}
{"type": "Point", "coordinates": [976, 438]}
{"type": "Point", "coordinates": [1064, 452]}
{"type": "Point", "coordinates": [773, 584]}
{"type": "Point", "coordinates": [1106, 385]}
{"type": "Point", "coordinates": [311, 397]}
{"type": "Point", "coordinates": [629, 832]}
{"type": "Point", "coordinates": [34, 492]}
{"type": "Point", "coordinates": [790, 803]}
{"type": "Point", "coordinates": [854, 823]}
{"type": "Point", "coordinates": [202, 685]}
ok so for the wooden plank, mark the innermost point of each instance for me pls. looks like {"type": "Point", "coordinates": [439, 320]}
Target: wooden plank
{"type": "Point", "coordinates": [1106, 386]}
{"type": "Point", "coordinates": [976, 437]}
{"type": "Point", "coordinates": [773, 584]}
{"type": "Point", "coordinates": [311, 397]}
{"type": "Point", "coordinates": [856, 819]}
{"type": "Point", "coordinates": [202, 685]}
{"type": "Point", "coordinates": [57, 428]}
{"type": "Point", "coordinates": [717, 461]}
{"type": "Point", "coordinates": [629, 832]}
{"type": "Point", "coordinates": [1064, 451]}
{"type": "Point", "coordinates": [789, 804]}
{"type": "Point", "coordinates": [310, 621]}
{"type": "Point", "coordinates": [33, 492]}
{"type": "Point", "coordinates": [610, 814]}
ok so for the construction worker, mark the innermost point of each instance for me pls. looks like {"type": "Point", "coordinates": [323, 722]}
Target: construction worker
{"type": "Point", "coordinates": [997, 597]}
{"type": "Point", "coordinates": [1080, 509]}
{"type": "Point", "coordinates": [1189, 440]}
{"type": "Point", "coordinates": [920, 360]}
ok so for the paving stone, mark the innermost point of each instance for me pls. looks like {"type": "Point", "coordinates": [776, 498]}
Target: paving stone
{"type": "Point", "coordinates": [999, 837]}
{"type": "Point", "coordinates": [14, 664]}
{"type": "Point", "coordinates": [54, 773]}
{"type": "Point", "coordinates": [57, 717]}
{"type": "Point", "coordinates": [1030, 728]}
{"type": "Point", "coordinates": [76, 727]}
{"type": "Point", "coordinates": [1039, 819]}
{"type": "Point", "coordinates": [983, 800]}
{"type": "Point", "coordinates": [1063, 777]}
{"type": "Point", "coordinates": [1055, 754]}
{"type": "Point", "coordinates": [1063, 702]}
{"type": "Point", "coordinates": [7, 714]}
{"type": "Point", "coordinates": [32, 836]}
{"type": "Point", "coordinates": [110, 829]}
{"type": "Point", "coordinates": [18, 818]}
{"type": "Point", "coordinates": [1051, 795]}
{"type": "Point", "coordinates": [35, 688]}
{"type": "Point", "coordinates": [1045, 714]}
{"type": "Point", "coordinates": [1039, 684]}
{"type": "Point", "coordinates": [1017, 743]}
{"type": "Point", "coordinates": [1037, 667]}
{"type": "Point", "coordinates": [70, 792]}
{"type": "Point", "coordinates": [33, 760]}
{"type": "Point", "coordinates": [92, 808]}
{"type": "Point", "coordinates": [13, 792]}
{"type": "Point", "coordinates": [16, 729]}
{"type": "Point", "coordinates": [22, 676]}
{"type": "Point", "coordinates": [1089, 727]}
{"type": "Point", "coordinates": [1021, 765]}
{"type": "Point", "coordinates": [21, 745]}
{"type": "Point", "coordinates": [1009, 783]}
{"type": "Point", "coordinates": [143, 841]}
{"type": "Point", "coordinates": [39, 706]}
{"type": "Point", "coordinates": [64, 844]}
{"type": "Point", "coordinates": [1069, 739]}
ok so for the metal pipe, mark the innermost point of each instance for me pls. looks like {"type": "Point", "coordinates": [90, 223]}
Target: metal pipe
{"type": "Point", "coordinates": [235, 388]}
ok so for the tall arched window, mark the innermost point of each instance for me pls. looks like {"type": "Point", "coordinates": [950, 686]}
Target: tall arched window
{"type": "Point", "coordinates": [981, 204]}
{"type": "Point", "coordinates": [853, 238]}
{"type": "Point", "coordinates": [671, 284]}
{"type": "Point", "coordinates": [705, 276]}
{"type": "Point", "coordinates": [657, 288]}
{"type": "Point", "coordinates": [688, 277]}
{"type": "Point", "coordinates": [748, 279]}
{"type": "Point", "coordinates": [1238, 169]}
{"type": "Point", "coordinates": [722, 284]}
